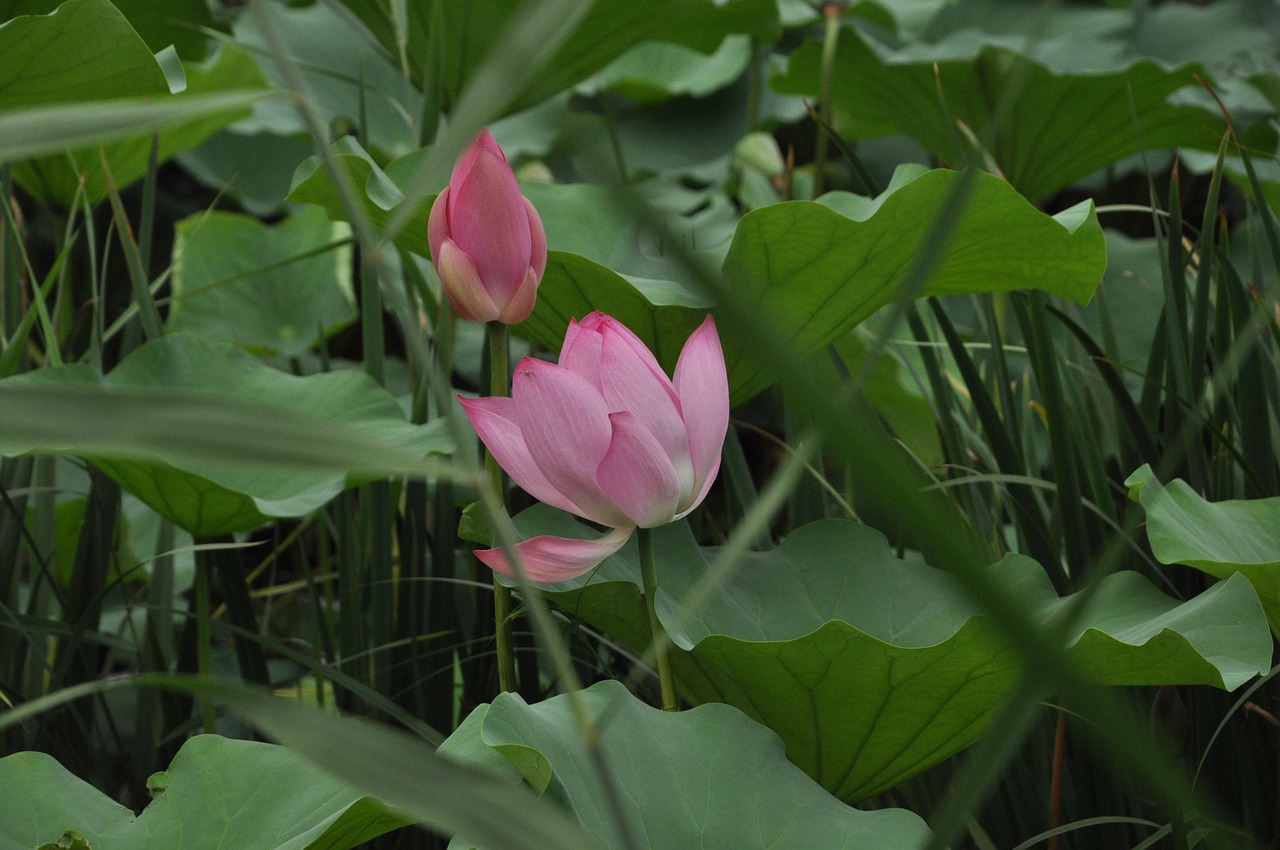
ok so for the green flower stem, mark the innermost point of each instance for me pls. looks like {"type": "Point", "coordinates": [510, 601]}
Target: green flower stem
{"type": "Point", "coordinates": [204, 660]}
{"type": "Point", "coordinates": [649, 573]}
{"type": "Point", "coordinates": [498, 385]}
{"type": "Point", "coordinates": [611, 124]}
{"type": "Point", "coordinates": [831, 37]}
{"type": "Point", "coordinates": [755, 81]}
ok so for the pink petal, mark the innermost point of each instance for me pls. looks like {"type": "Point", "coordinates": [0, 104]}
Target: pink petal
{"type": "Point", "coordinates": [489, 219]}
{"type": "Point", "coordinates": [637, 473]}
{"type": "Point", "coordinates": [570, 336]}
{"type": "Point", "coordinates": [634, 383]}
{"type": "Point", "coordinates": [703, 388]}
{"type": "Point", "coordinates": [566, 428]}
{"type": "Point", "coordinates": [485, 139]}
{"type": "Point", "coordinates": [537, 240]}
{"type": "Point", "coordinates": [438, 223]}
{"type": "Point", "coordinates": [494, 419]}
{"type": "Point", "coordinates": [552, 559]}
{"type": "Point", "coordinates": [462, 284]}
{"type": "Point", "coordinates": [522, 302]}
{"type": "Point", "coordinates": [610, 326]}
{"type": "Point", "coordinates": [702, 493]}
{"type": "Point", "coordinates": [581, 352]}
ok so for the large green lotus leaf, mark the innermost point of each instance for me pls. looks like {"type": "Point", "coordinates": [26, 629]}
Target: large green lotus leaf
{"type": "Point", "coordinates": [872, 668]}
{"type": "Point", "coordinates": [633, 234]}
{"type": "Point", "coordinates": [56, 178]}
{"type": "Point", "coordinates": [653, 72]}
{"type": "Point", "coordinates": [194, 503]}
{"type": "Point", "coordinates": [606, 32]}
{"type": "Point", "coordinates": [659, 312]}
{"type": "Point", "coordinates": [607, 255]}
{"type": "Point", "coordinates": [176, 22]}
{"type": "Point", "coordinates": [684, 144]}
{"type": "Point", "coordinates": [1055, 126]}
{"type": "Point", "coordinates": [1229, 34]}
{"type": "Point", "coordinates": [39, 798]}
{"type": "Point", "coordinates": [1228, 37]}
{"type": "Point", "coordinates": [1220, 538]}
{"type": "Point", "coordinates": [273, 289]}
{"type": "Point", "coordinates": [817, 269]}
{"type": "Point", "coordinates": [350, 82]}
{"type": "Point", "coordinates": [1065, 38]}
{"type": "Point", "coordinates": [83, 50]}
{"type": "Point", "coordinates": [378, 194]}
{"type": "Point", "coordinates": [196, 473]}
{"type": "Point", "coordinates": [703, 777]}
{"type": "Point", "coordinates": [255, 168]}
{"type": "Point", "coordinates": [402, 769]}
{"type": "Point", "coordinates": [217, 793]}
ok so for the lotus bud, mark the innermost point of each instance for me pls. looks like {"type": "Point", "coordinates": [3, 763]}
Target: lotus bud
{"type": "Point", "coordinates": [486, 239]}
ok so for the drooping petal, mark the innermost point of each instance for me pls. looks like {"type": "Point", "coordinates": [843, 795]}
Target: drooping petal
{"type": "Point", "coordinates": [522, 301]}
{"type": "Point", "coordinates": [462, 284]}
{"type": "Point", "coordinates": [637, 475]}
{"type": "Point", "coordinates": [489, 219]}
{"type": "Point", "coordinates": [537, 240]}
{"type": "Point", "coordinates": [438, 223]}
{"type": "Point", "coordinates": [496, 421]}
{"type": "Point", "coordinates": [551, 559]}
{"type": "Point", "coordinates": [703, 387]}
{"type": "Point", "coordinates": [566, 427]}
{"type": "Point", "coordinates": [636, 384]}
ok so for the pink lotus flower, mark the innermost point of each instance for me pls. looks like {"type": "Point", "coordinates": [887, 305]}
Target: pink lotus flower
{"type": "Point", "coordinates": [608, 436]}
{"type": "Point", "coordinates": [486, 238]}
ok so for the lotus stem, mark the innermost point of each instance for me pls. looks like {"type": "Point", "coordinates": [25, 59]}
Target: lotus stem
{"type": "Point", "coordinates": [498, 385]}
{"type": "Point", "coordinates": [831, 37]}
{"type": "Point", "coordinates": [649, 574]}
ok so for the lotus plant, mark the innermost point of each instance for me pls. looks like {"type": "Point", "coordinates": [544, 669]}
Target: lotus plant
{"type": "Point", "coordinates": [486, 239]}
{"type": "Point", "coordinates": [606, 435]}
